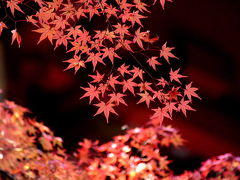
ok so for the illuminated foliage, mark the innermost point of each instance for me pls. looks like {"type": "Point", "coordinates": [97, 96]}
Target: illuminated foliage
{"type": "Point", "coordinates": [63, 23]}
{"type": "Point", "coordinates": [29, 150]}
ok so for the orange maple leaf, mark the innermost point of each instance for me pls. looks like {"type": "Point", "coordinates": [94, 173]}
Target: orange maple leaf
{"type": "Point", "coordinates": [16, 36]}
{"type": "Point", "coordinates": [2, 25]}
{"type": "Point", "coordinates": [13, 4]}
{"type": "Point", "coordinates": [46, 32]}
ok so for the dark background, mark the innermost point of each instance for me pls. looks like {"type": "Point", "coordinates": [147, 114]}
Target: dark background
{"type": "Point", "coordinates": [206, 36]}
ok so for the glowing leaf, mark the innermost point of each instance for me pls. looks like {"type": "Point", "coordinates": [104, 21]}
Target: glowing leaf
{"type": "Point", "coordinates": [16, 36]}
{"type": "Point", "coordinates": [105, 108]}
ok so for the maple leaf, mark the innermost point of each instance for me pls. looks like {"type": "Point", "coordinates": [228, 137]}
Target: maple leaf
{"type": "Point", "coordinates": [190, 91]}
{"type": "Point", "coordinates": [77, 46]}
{"type": "Point", "coordinates": [117, 98]}
{"type": "Point", "coordinates": [139, 36]}
{"type": "Point", "coordinates": [13, 4]}
{"type": "Point", "coordinates": [111, 11]}
{"type": "Point", "coordinates": [31, 20]}
{"type": "Point", "coordinates": [16, 36]}
{"type": "Point", "coordinates": [175, 76]}
{"type": "Point", "coordinates": [84, 37]}
{"type": "Point", "coordinates": [95, 58]}
{"type": "Point", "coordinates": [145, 97]}
{"type": "Point", "coordinates": [110, 52]}
{"type": "Point", "coordinates": [137, 72]}
{"type": "Point", "coordinates": [123, 69]}
{"type": "Point", "coordinates": [92, 92]}
{"type": "Point", "coordinates": [105, 108]}
{"type": "Point", "coordinates": [159, 115]}
{"type": "Point", "coordinates": [112, 81]}
{"type": "Point", "coordinates": [124, 5]}
{"type": "Point", "coordinates": [129, 84]}
{"type": "Point", "coordinates": [75, 63]}
{"type": "Point", "coordinates": [121, 29]}
{"type": "Point", "coordinates": [92, 11]}
{"type": "Point", "coordinates": [125, 44]}
{"type": "Point", "coordinates": [110, 35]}
{"type": "Point", "coordinates": [144, 86]}
{"type": "Point", "coordinates": [97, 78]}
{"type": "Point", "coordinates": [170, 106]}
{"type": "Point", "coordinates": [174, 93]}
{"type": "Point", "coordinates": [2, 25]}
{"type": "Point", "coordinates": [81, 13]}
{"type": "Point", "coordinates": [135, 17]}
{"type": "Point", "coordinates": [103, 88]}
{"type": "Point", "coordinates": [183, 106]}
{"type": "Point", "coordinates": [162, 82]}
{"type": "Point", "coordinates": [166, 52]}
{"type": "Point", "coordinates": [159, 94]}
{"type": "Point", "coordinates": [153, 62]}
{"type": "Point", "coordinates": [163, 2]}
{"type": "Point", "coordinates": [61, 39]}
{"type": "Point", "coordinates": [141, 6]}
{"type": "Point", "coordinates": [74, 31]}
{"type": "Point", "coordinates": [46, 32]}
{"type": "Point", "coordinates": [59, 22]}
{"type": "Point", "coordinates": [68, 10]}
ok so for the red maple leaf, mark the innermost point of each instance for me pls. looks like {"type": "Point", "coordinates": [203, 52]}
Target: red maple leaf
{"type": "Point", "coordinates": [95, 58]}
{"type": "Point", "coordinates": [103, 88]}
{"type": "Point", "coordinates": [159, 115]}
{"type": "Point", "coordinates": [175, 76]}
{"type": "Point", "coordinates": [110, 53]}
{"type": "Point", "coordinates": [121, 29]}
{"type": "Point", "coordinates": [137, 72]}
{"type": "Point", "coordinates": [141, 6]}
{"type": "Point", "coordinates": [74, 31]}
{"type": "Point", "coordinates": [112, 81]}
{"type": "Point", "coordinates": [75, 63]}
{"type": "Point", "coordinates": [162, 2]}
{"type": "Point", "coordinates": [139, 36]}
{"type": "Point", "coordinates": [129, 84]}
{"type": "Point", "coordinates": [145, 97]}
{"type": "Point", "coordinates": [190, 91]}
{"type": "Point", "coordinates": [111, 11]}
{"type": "Point", "coordinates": [153, 62]}
{"type": "Point", "coordinates": [16, 36]}
{"type": "Point", "coordinates": [170, 107]}
{"type": "Point", "coordinates": [105, 108]}
{"type": "Point", "coordinates": [162, 82]}
{"type": "Point", "coordinates": [91, 92]}
{"type": "Point", "coordinates": [97, 78]}
{"type": "Point", "coordinates": [117, 98]}
{"type": "Point", "coordinates": [124, 69]}
{"type": "Point", "coordinates": [166, 52]}
{"type": "Point", "coordinates": [2, 25]}
{"type": "Point", "coordinates": [144, 86]}
{"type": "Point", "coordinates": [183, 106]}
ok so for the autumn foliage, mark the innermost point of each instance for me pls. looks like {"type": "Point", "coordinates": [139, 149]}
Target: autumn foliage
{"type": "Point", "coordinates": [63, 23]}
{"type": "Point", "coordinates": [29, 150]}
